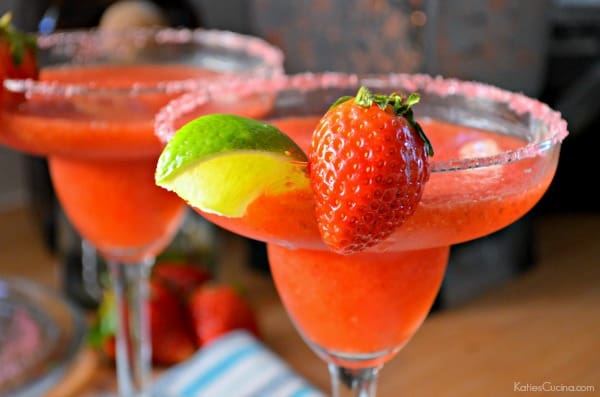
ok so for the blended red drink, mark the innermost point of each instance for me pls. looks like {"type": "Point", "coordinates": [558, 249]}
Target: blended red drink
{"type": "Point", "coordinates": [380, 297]}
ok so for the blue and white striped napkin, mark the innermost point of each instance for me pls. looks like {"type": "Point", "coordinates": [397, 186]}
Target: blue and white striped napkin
{"type": "Point", "coordinates": [235, 365]}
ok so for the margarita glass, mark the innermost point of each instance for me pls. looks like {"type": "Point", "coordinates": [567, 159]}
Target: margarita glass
{"type": "Point", "coordinates": [91, 114]}
{"type": "Point", "coordinates": [496, 153]}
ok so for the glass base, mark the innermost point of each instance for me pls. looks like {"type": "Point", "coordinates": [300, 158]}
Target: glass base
{"type": "Point", "coordinates": [353, 360]}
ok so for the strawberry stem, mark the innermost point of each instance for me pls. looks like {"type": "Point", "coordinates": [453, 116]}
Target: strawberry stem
{"type": "Point", "coordinates": [401, 105]}
{"type": "Point", "coordinates": [18, 42]}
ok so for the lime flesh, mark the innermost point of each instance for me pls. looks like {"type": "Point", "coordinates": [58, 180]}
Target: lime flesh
{"type": "Point", "coordinates": [221, 163]}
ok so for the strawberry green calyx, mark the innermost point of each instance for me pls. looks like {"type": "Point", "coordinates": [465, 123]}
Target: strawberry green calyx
{"type": "Point", "coordinates": [401, 105]}
{"type": "Point", "coordinates": [18, 42]}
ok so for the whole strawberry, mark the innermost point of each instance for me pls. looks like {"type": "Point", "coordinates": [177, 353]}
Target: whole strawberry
{"type": "Point", "coordinates": [181, 276]}
{"type": "Point", "coordinates": [17, 58]}
{"type": "Point", "coordinates": [171, 334]}
{"type": "Point", "coordinates": [218, 309]}
{"type": "Point", "coordinates": [368, 165]}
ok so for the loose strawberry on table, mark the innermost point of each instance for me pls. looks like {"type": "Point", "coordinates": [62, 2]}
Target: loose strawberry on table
{"type": "Point", "coordinates": [171, 332]}
{"type": "Point", "coordinates": [180, 276]}
{"type": "Point", "coordinates": [218, 309]}
{"type": "Point", "coordinates": [18, 53]}
{"type": "Point", "coordinates": [186, 312]}
{"type": "Point", "coordinates": [368, 165]}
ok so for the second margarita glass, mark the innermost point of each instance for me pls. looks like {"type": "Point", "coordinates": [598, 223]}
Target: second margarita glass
{"type": "Point", "coordinates": [91, 114]}
{"type": "Point", "coordinates": [496, 153]}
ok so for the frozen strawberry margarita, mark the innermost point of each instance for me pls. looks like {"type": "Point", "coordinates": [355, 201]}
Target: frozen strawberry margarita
{"type": "Point", "coordinates": [358, 295]}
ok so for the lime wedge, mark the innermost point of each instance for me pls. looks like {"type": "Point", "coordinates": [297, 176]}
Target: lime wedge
{"type": "Point", "coordinates": [221, 163]}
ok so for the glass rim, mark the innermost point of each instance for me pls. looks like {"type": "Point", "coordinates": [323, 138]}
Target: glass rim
{"type": "Point", "coordinates": [271, 56]}
{"type": "Point", "coordinates": [520, 104]}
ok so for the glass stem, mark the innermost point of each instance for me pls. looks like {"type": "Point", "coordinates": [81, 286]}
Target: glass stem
{"type": "Point", "coordinates": [134, 351]}
{"type": "Point", "coordinates": [89, 271]}
{"type": "Point", "coordinates": [346, 382]}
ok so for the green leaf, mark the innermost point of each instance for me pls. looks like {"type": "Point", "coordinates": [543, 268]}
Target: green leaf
{"type": "Point", "coordinates": [412, 99]}
{"type": "Point", "coordinates": [341, 100]}
{"type": "Point", "coordinates": [17, 49]}
{"type": "Point", "coordinates": [105, 325]}
{"type": "Point", "coordinates": [402, 107]}
{"type": "Point", "coordinates": [18, 41]}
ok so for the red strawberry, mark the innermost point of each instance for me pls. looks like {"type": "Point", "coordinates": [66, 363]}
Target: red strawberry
{"type": "Point", "coordinates": [368, 168]}
{"type": "Point", "coordinates": [172, 336]}
{"type": "Point", "coordinates": [17, 58]}
{"type": "Point", "coordinates": [218, 309]}
{"type": "Point", "coordinates": [109, 348]}
{"type": "Point", "coordinates": [182, 277]}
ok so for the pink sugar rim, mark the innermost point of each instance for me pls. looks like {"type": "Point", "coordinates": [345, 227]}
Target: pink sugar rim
{"type": "Point", "coordinates": [165, 118]}
{"type": "Point", "coordinates": [520, 104]}
{"type": "Point", "coordinates": [271, 56]}
{"type": "Point", "coordinates": [517, 102]}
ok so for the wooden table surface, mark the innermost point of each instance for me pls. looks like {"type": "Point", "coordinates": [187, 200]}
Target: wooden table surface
{"type": "Point", "coordinates": [539, 329]}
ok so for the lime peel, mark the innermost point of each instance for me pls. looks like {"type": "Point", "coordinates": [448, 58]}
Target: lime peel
{"type": "Point", "coordinates": [221, 163]}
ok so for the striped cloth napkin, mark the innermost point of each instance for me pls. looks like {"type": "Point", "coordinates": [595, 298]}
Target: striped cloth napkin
{"type": "Point", "coordinates": [235, 365]}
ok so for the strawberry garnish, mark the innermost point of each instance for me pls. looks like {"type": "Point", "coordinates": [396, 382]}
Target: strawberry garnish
{"type": "Point", "coordinates": [18, 53]}
{"type": "Point", "coordinates": [219, 309]}
{"type": "Point", "coordinates": [368, 166]}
